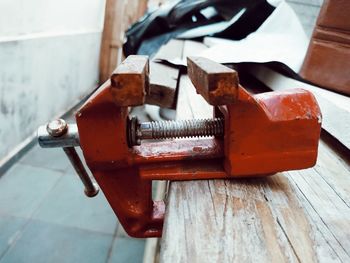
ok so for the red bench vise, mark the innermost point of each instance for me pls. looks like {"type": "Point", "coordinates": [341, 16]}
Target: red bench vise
{"type": "Point", "coordinates": [249, 136]}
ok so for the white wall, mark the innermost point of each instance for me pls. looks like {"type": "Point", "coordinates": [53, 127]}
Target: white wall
{"type": "Point", "coordinates": [49, 57]}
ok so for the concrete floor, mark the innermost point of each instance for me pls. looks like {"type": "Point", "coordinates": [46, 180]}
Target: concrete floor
{"type": "Point", "coordinates": [45, 217]}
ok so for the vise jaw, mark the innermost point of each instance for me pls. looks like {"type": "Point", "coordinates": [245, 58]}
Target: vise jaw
{"type": "Point", "coordinates": [256, 135]}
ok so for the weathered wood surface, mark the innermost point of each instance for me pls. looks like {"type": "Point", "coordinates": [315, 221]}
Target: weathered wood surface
{"type": "Point", "coordinates": [296, 216]}
{"type": "Point", "coordinates": [335, 107]}
{"type": "Point", "coordinates": [171, 50]}
{"type": "Point", "coordinates": [163, 78]}
{"type": "Point", "coordinates": [119, 15]}
{"type": "Point", "coordinates": [163, 82]}
{"type": "Point", "coordinates": [217, 83]}
{"type": "Point", "coordinates": [163, 85]}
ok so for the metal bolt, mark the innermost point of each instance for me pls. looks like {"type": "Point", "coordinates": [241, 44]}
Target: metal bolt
{"type": "Point", "coordinates": [59, 128]}
{"type": "Point", "coordinates": [173, 129]}
{"type": "Point", "coordinates": [91, 189]}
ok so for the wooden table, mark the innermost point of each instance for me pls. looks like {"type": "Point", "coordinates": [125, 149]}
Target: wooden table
{"type": "Point", "coordinates": [295, 216]}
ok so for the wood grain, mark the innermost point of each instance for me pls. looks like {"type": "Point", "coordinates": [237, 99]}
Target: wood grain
{"type": "Point", "coordinates": [119, 15]}
{"type": "Point", "coordinates": [171, 50]}
{"type": "Point", "coordinates": [297, 216]}
{"type": "Point", "coordinates": [163, 82]}
{"type": "Point", "coordinates": [163, 78]}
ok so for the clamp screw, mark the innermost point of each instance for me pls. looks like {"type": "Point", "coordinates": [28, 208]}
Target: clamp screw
{"type": "Point", "coordinates": [173, 129]}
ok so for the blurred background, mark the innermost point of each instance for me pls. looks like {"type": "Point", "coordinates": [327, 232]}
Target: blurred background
{"type": "Point", "coordinates": [53, 54]}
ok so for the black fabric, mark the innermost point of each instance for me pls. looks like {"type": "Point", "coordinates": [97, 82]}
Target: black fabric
{"type": "Point", "coordinates": [155, 29]}
{"type": "Point", "coordinates": [249, 22]}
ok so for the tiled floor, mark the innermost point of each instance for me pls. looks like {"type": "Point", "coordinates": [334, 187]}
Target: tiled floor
{"type": "Point", "coordinates": [45, 217]}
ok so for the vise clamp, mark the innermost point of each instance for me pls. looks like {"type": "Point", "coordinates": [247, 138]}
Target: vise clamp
{"type": "Point", "coordinates": [248, 136]}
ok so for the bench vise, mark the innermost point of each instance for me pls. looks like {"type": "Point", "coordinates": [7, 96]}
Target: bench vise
{"type": "Point", "coordinates": [248, 136]}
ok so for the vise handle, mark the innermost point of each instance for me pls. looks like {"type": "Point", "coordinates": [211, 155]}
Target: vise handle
{"type": "Point", "coordinates": [58, 133]}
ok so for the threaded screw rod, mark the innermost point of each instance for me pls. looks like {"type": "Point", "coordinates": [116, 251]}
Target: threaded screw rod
{"type": "Point", "coordinates": [158, 130]}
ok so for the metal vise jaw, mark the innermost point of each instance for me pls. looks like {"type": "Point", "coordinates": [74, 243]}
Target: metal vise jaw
{"type": "Point", "coordinates": [251, 135]}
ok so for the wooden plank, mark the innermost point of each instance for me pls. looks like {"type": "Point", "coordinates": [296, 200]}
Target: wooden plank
{"type": "Point", "coordinates": [335, 107]}
{"type": "Point", "coordinates": [163, 78]}
{"type": "Point", "coordinates": [188, 48]}
{"type": "Point", "coordinates": [163, 85]}
{"type": "Point", "coordinates": [119, 15]}
{"type": "Point", "coordinates": [192, 48]}
{"type": "Point", "coordinates": [151, 254]}
{"type": "Point", "coordinates": [171, 50]}
{"type": "Point", "coordinates": [110, 37]}
{"type": "Point", "coordinates": [163, 82]}
{"type": "Point", "coordinates": [298, 216]}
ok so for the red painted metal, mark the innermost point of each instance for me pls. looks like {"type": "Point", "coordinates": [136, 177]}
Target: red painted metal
{"type": "Point", "coordinates": [264, 134]}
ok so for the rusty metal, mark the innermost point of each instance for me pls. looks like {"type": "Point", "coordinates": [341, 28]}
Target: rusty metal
{"type": "Point", "coordinates": [69, 138]}
{"type": "Point", "coordinates": [159, 130]}
{"type": "Point", "coordinates": [91, 188]}
{"type": "Point", "coordinates": [262, 134]}
{"type": "Point", "coordinates": [217, 84]}
{"type": "Point", "coordinates": [129, 83]}
{"type": "Point", "coordinates": [59, 128]}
